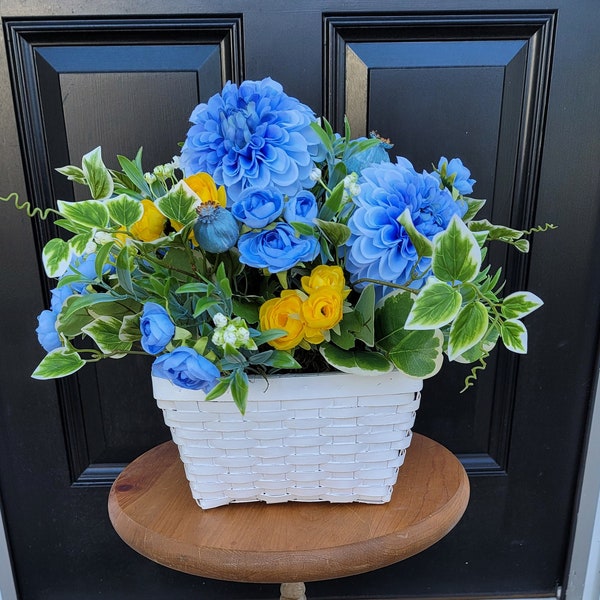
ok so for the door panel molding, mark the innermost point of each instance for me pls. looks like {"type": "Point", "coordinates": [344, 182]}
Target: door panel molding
{"type": "Point", "coordinates": [69, 72]}
{"type": "Point", "coordinates": [482, 81]}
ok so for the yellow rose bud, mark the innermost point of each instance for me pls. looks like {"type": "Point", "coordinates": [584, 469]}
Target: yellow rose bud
{"type": "Point", "coordinates": [325, 276]}
{"type": "Point", "coordinates": [152, 224]}
{"type": "Point", "coordinates": [323, 309]}
{"type": "Point", "coordinates": [204, 186]}
{"type": "Point", "coordinates": [283, 313]}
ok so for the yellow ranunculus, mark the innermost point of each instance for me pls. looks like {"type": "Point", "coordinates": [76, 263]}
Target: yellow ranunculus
{"type": "Point", "coordinates": [283, 313]}
{"type": "Point", "coordinates": [152, 224]}
{"type": "Point", "coordinates": [204, 186]}
{"type": "Point", "coordinates": [325, 276]}
{"type": "Point", "coordinates": [323, 309]}
{"type": "Point", "coordinates": [313, 336]}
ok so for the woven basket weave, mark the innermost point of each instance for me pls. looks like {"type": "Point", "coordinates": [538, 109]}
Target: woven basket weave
{"type": "Point", "coordinates": [331, 437]}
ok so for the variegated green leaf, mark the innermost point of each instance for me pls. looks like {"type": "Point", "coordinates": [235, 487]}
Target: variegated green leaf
{"type": "Point", "coordinates": [467, 329]}
{"type": "Point", "coordinates": [58, 363]}
{"type": "Point", "coordinates": [178, 204]}
{"type": "Point", "coordinates": [97, 176]}
{"type": "Point", "coordinates": [514, 336]}
{"type": "Point", "coordinates": [56, 257]}
{"type": "Point", "coordinates": [519, 304]}
{"type": "Point", "coordinates": [90, 213]}
{"type": "Point", "coordinates": [124, 210]}
{"type": "Point", "coordinates": [456, 253]}
{"type": "Point", "coordinates": [105, 332]}
{"type": "Point", "coordinates": [435, 306]}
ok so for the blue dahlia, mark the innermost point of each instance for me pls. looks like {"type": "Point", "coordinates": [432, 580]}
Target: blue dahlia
{"type": "Point", "coordinates": [379, 247]}
{"type": "Point", "coordinates": [253, 135]}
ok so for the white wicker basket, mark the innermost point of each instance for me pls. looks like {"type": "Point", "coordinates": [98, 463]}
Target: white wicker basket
{"type": "Point", "coordinates": [331, 437]}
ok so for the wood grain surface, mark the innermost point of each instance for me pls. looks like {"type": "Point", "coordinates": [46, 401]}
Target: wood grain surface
{"type": "Point", "coordinates": [151, 508]}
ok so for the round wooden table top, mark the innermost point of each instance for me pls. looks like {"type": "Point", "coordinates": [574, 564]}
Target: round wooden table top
{"type": "Point", "coordinates": [151, 508]}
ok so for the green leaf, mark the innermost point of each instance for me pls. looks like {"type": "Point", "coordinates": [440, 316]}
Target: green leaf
{"type": "Point", "coordinates": [79, 243]}
{"type": "Point", "coordinates": [79, 302]}
{"type": "Point", "coordinates": [482, 349]}
{"type": "Point", "coordinates": [247, 310]}
{"type": "Point", "coordinates": [58, 363]}
{"type": "Point", "coordinates": [519, 304]}
{"type": "Point", "coordinates": [77, 319]}
{"type": "Point", "coordinates": [102, 258]}
{"type": "Point", "coordinates": [358, 324]}
{"type": "Point", "coordinates": [363, 362]}
{"type": "Point", "coordinates": [422, 245]}
{"type": "Point", "coordinates": [130, 329]}
{"type": "Point", "coordinates": [337, 233]}
{"type": "Point", "coordinates": [90, 213]}
{"type": "Point", "coordinates": [204, 304]}
{"type": "Point", "coordinates": [239, 390]}
{"type": "Point", "coordinates": [280, 359]}
{"type": "Point", "coordinates": [333, 204]}
{"type": "Point", "coordinates": [192, 288]}
{"type": "Point", "coordinates": [219, 389]}
{"type": "Point", "coordinates": [456, 253]}
{"type": "Point", "coordinates": [496, 232]}
{"type": "Point", "coordinates": [303, 228]}
{"type": "Point", "coordinates": [56, 257]}
{"type": "Point", "coordinates": [473, 207]}
{"type": "Point", "coordinates": [178, 204]}
{"type": "Point", "coordinates": [72, 173]}
{"type": "Point", "coordinates": [416, 353]}
{"type": "Point", "coordinates": [514, 336]}
{"type": "Point", "coordinates": [135, 174]}
{"type": "Point", "coordinates": [97, 176]}
{"type": "Point", "coordinates": [124, 211]}
{"type": "Point", "coordinates": [123, 270]}
{"type": "Point", "coordinates": [325, 139]}
{"type": "Point", "coordinates": [435, 306]}
{"type": "Point", "coordinates": [105, 332]}
{"type": "Point", "coordinates": [468, 329]}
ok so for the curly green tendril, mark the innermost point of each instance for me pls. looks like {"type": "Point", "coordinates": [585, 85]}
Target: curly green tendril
{"type": "Point", "coordinates": [32, 211]}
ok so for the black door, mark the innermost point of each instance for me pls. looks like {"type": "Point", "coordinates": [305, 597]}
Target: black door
{"type": "Point", "coordinates": [512, 90]}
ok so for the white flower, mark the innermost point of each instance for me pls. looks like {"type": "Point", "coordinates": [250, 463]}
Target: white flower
{"type": "Point", "coordinates": [220, 320]}
{"type": "Point", "coordinates": [315, 174]}
{"type": "Point", "coordinates": [150, 178]}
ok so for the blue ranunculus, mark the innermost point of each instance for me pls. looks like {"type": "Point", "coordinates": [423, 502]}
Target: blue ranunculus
{"type": "Point", "coordinates": [46, 329]}
{"type": "Point", "coordinates": [301, 208]}
{"type": "Point", "coordinates": [156, 327]}
{"type": "Point", "coordinates": [457, 175]}
{"type": "Point", "coordinates": [257, 207]}
{"type": "Point", "coordinates": [187, 369]}
{"type": "Point", "coordinates": [276, 249]}
{"type": "Point", "coordinates": [253, 135]}
{"type": "Point", "coordinates": [379, 247]}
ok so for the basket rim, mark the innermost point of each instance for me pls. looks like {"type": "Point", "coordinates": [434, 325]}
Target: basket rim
{"type": "Point", "coordinates": [301, 386]}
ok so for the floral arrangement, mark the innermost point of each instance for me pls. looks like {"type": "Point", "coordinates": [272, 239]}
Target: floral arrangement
{"type": "Point", "coordinates": [273, 243]}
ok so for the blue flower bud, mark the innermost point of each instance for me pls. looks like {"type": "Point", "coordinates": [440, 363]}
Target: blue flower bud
{"type": "Point", "coordinates": [216, 230]}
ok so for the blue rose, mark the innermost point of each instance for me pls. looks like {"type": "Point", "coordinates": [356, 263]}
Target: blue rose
{"type": "Point", "coordinates": [256, 207]}
{"type": "Point", "coordinates": [156, 327]}
{"type": "Point", "coordinates": [46, 329]}
{"type": "Point", "coordinates": [187, 369]}
{"type": "Point", "coordinates": [277, 249]}
{"type": "Point", "coordinates": [302, 208]}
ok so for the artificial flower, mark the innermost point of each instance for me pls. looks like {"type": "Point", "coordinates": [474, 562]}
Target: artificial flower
{"type": "Point", "coordinates": [187, 369]}
{"type": "Point", "coordinates": [254, 135]}
{"type": "Point", "coordinates": [283, 313]}
{"type": "Point", "coordinates": [157, 328]}
{"type": "Point", "coordinates": [152, 224]}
